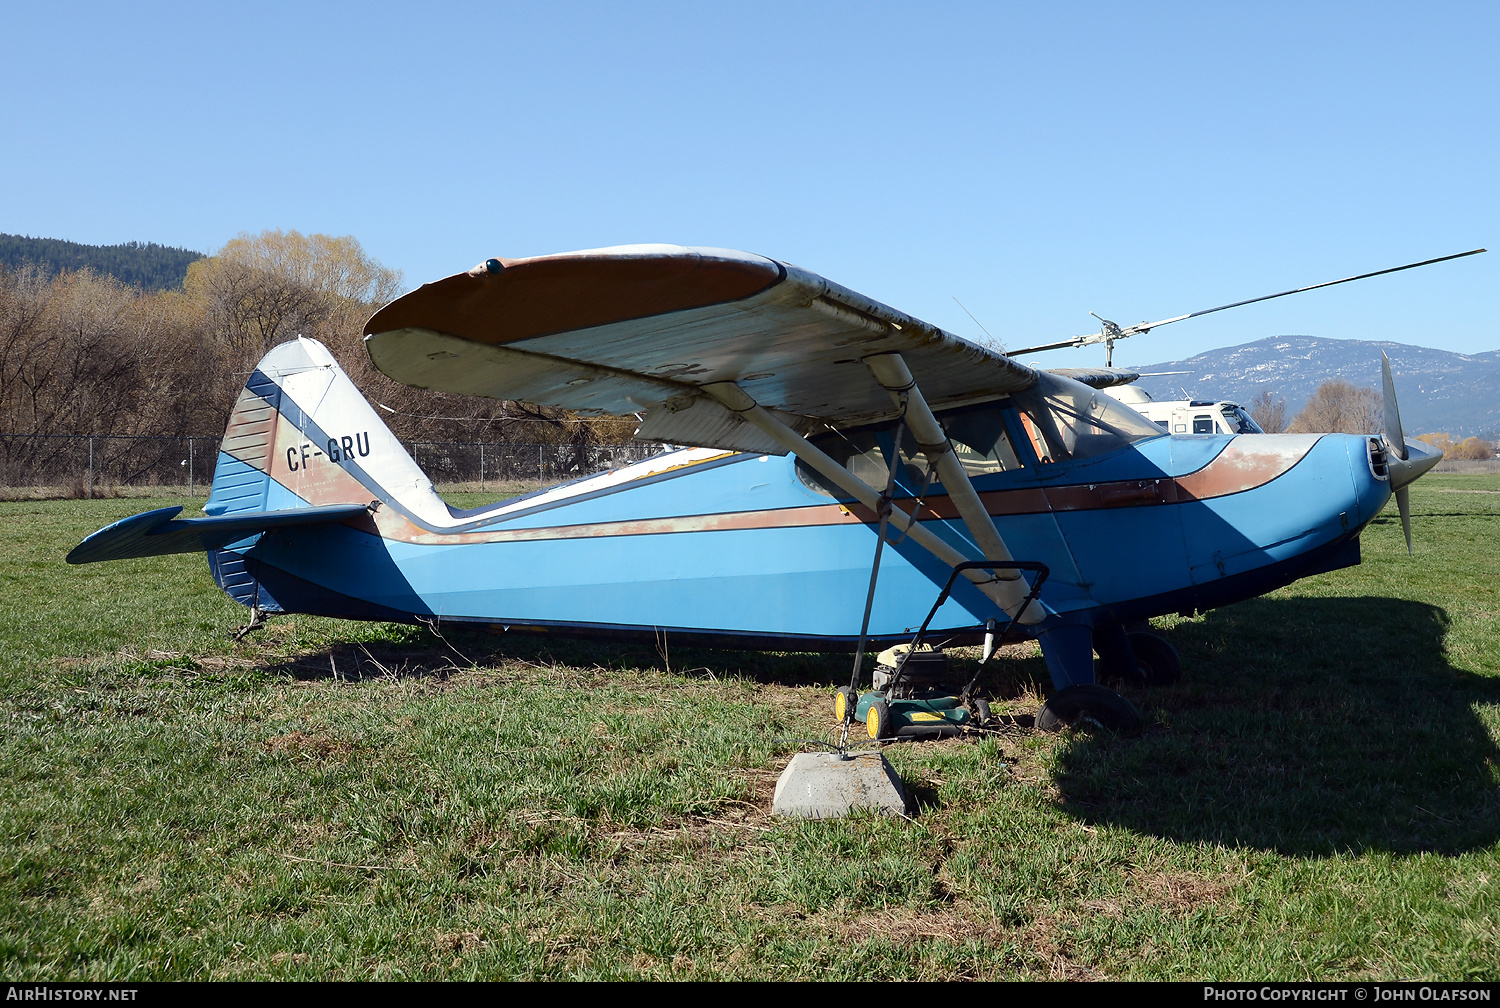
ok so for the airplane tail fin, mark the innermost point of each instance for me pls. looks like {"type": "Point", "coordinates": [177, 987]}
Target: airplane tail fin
{"type": "Point", "coordinates": [301, 435]}
{"type": "Point", "coordinates": [302, 448]}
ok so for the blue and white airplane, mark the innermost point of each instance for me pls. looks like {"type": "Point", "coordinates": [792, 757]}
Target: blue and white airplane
{"type": "Point", "coordinates": [791, 391]}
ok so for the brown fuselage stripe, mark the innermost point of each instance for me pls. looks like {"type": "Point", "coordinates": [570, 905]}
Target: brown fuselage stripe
{"type": "Point", "coordinates": [1233, 470]}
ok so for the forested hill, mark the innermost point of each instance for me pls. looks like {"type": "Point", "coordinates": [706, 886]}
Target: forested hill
{"type": "Point", "coordinates": [141, 264]}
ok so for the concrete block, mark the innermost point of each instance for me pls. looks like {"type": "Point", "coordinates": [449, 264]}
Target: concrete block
{"type": "Point", "coordinates": [824, 785]}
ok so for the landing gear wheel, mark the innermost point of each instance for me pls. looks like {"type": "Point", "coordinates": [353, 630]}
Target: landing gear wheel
{"type": "Point", "coordinates": [981, 708]}
{"type": "Point", "coordinates": [1086, 705]}
{"type": "Point", "coordinates": [1121, 676]}
{"type": "Point", "coordinates": [878, 720]}
{"type": "Point", "coordinates": [1157, 658]}
{"type": "Point", "coordinates": [843, 704]}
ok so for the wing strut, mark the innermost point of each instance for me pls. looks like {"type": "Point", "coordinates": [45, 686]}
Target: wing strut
{"type": "Point", "coordinates": [895, 377]}
{"type": "Point", "coordinates": [1009, 595]}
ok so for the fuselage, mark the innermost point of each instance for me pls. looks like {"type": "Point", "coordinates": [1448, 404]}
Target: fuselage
{"type": "Point", "coordinates": [750, 550]}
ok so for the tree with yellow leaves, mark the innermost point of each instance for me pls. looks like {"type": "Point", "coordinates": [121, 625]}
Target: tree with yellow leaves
{"type": "Point", "coordinates": [1469, 449]}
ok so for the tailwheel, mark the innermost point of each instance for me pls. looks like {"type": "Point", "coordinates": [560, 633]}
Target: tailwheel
{"type": "Point", "coordinates": [843, 704]}
{"type": "Point", "coordinates": [1157, 658]}
{"type": "Point", "coordinates": [1088, 705]}
{"type": "Point", "coordinates": [878, 720]}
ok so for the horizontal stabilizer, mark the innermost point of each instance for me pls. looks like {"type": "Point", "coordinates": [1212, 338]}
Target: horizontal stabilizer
{"type": "Point", "coordinates": [155, 533]}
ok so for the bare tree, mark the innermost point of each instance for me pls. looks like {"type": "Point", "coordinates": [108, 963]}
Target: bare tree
{"type": "Point", "coordinates": [1338, 407]}
{"type": "Point", "coordinates": [1268, 410]}
{"type": "Point", "coordinates": [84, 354]}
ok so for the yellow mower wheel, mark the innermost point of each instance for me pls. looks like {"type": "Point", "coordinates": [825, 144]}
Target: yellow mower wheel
{"type": "Point", "coordinates": [844, 704]}
{"type": "Point", "coordinates": [878, 719]}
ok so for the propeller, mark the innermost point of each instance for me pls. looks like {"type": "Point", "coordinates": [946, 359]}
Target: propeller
{"type": "Point", "coordinates": [1395, 440]}
{"type": "Point", "coordinates": [1405, 460]}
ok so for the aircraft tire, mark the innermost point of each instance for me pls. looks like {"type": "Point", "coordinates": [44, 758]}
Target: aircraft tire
{"type": "Point", "coordinates": [1085, 704]}
{"type": "Point", "coordinates": [1157, 658]}
{"type": "Point", "coordinates": [844, 704]}
{"type": "Point", "coordinates": [878, 720]}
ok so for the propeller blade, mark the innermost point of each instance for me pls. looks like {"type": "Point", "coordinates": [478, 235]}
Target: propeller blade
{"type": "Point", "coordinates": [1403, 504]}
{"type": "Point", "coordinates": [1393, 434]}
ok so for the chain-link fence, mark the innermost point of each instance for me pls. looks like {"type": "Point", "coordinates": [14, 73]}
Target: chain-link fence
{"type": "Point", "coordinates": [1468, 466]}
{"type": "Point", "coordinates": [95, 465]}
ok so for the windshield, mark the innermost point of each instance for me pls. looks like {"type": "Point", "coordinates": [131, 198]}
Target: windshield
{"type": "Point", "coordinates": [1239, 421]}
{"type": "Point", "coordinates": [1066, 419]}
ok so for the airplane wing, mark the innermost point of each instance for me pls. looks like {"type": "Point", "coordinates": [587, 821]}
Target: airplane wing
{"type": "Point", "coordinates": [154, 533]}
{"type": "Point", "coordinates": [637, 329]}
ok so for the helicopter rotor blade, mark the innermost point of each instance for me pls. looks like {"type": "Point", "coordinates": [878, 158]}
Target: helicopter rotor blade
{"type": "Point", "coordinates": [1112, 332]}
{"type": "Point", "coordinates": [1148, 326]}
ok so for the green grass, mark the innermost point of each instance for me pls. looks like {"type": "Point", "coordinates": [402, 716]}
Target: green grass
{"type": "Point", "coordinates": [1319, 798]}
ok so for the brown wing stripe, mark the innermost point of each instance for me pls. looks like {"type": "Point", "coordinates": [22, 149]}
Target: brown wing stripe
{"type": "Point", "coordinates": [554, 294]}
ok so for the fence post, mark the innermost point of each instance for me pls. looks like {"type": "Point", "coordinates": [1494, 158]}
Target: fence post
{"type": "Point", "coordinates": [91, 467]}
{"type": "Point", "coordinates": [539, 477]}
{"type": "Point", "coordinates": [190, 469]}
{"type": "Point", "coordinates": [481, 468]}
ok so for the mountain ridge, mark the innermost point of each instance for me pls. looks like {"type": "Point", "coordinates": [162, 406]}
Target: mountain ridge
{"type": "Point", "coordinates": [1439, 390]}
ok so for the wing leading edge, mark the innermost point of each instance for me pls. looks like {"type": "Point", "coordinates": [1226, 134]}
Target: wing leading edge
{"type": "Point", "coordinates": [641, 328]}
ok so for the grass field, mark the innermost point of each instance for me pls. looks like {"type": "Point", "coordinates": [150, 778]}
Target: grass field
{"type": "Point", "coordinates": [1318, 799]}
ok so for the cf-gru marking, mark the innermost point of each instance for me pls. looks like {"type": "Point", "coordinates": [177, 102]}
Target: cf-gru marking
{"type": "Point", "coordinates": [346, 446]}
{"type": "Point", "coordinates": [339, 448]}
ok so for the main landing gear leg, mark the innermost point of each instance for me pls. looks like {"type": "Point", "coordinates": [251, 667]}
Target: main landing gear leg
{"type": "Point", "coordinates": [1118, 662]}
{"type": "Point", "coordinates": [1077, 700]}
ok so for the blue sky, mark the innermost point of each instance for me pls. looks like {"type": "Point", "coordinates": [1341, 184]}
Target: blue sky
{"type": "Point", "coordinates": [1036, 161]}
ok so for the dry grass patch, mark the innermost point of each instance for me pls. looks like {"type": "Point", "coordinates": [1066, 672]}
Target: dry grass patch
{"type": "Point", "coordinates": [308, 746]}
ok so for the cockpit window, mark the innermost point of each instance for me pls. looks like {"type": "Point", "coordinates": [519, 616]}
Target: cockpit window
{"type": "Point", "coordinates": [855, 450]}
{"type": "Point", "coordinates": [979, 443]}
{"type": "Point", "coordinates": [1066, 419]}
{"type": "Point", "coordinates": [977, 434]}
